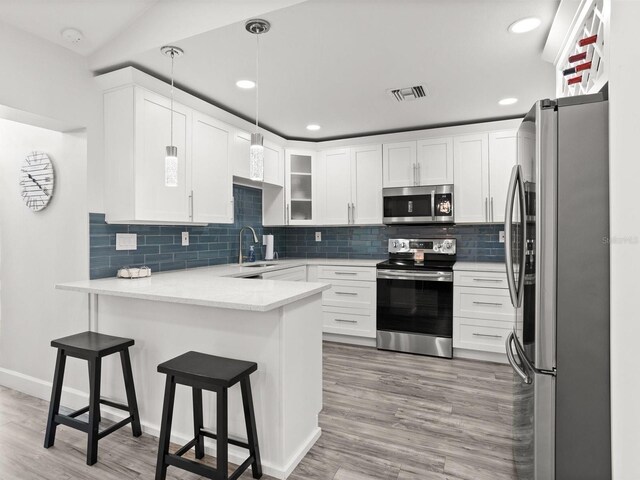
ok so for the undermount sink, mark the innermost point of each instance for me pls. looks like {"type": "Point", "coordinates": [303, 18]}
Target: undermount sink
{"type": "Point", "coordinates": [255, 265]}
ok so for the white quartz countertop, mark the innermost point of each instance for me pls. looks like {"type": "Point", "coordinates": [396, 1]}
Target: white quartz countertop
{"type": "Point", "coordinates": [479, 266]}
{"type": "Point", "coordinates": [212, 287]}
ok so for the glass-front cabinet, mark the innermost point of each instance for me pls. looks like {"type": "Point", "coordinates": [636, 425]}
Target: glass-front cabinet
{"type": "Point", "coordinates": [300, 206]}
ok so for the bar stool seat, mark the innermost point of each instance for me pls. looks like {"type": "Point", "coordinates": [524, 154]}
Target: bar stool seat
{"type": "Point", "coordinates": [92, 346]}
{"type": "Point", "coordinates": [208, 372]}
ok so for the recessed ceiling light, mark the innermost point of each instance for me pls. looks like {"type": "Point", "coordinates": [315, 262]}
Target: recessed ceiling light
{"type": "Point", "coordinates": [525, 25]}
{"type": "Point", "coordinates": [245, 84]}
{"type": "Point", "coordinates": [313, 127]}
{"type": "Point", "coordinates": [508, 101]}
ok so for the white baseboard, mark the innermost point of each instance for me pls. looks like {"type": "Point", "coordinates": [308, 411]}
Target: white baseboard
{"type": "Point", "coordinates": [350, 339]}
{"type": "Point", "coordinates": [482, 356]}
{"type": "Point", "coordinates": [76, 399]}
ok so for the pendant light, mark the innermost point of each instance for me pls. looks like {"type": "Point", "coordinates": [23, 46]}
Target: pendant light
{"type": "Point", "coordinates": [257, 27]}
{"type": "Point", "coordinates": [171, 155]}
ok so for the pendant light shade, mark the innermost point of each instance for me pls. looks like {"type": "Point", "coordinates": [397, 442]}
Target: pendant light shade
{"type": "Point", "coordinates": [171, 151]}
{"type": "Point", "coordinates": [256, 158]}
{"type": "Point", "coordinates": [257, 27]}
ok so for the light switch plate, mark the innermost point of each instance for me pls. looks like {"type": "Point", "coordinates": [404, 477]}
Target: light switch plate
{"type": "Point", "coordinates": [126, 241]}
{"type": "Point", "coordinates": [318, 236]}
{"type": "Point", "coordinates": [501, 236]}
{"type": "Point", "coordinates": [185, 239]}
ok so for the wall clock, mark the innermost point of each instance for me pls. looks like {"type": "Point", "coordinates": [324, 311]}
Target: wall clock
{"type": "Point", "coordinates": [36, 180]}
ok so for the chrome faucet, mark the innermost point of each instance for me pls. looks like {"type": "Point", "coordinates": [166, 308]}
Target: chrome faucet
{"type": "Point", "coordinates": [255, 240]}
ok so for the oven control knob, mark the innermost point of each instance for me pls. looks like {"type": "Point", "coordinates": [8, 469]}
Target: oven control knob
{"type": "Point", "coordinates": [447, 245]}
{"type": "Point", "coordinates": [395, 244]}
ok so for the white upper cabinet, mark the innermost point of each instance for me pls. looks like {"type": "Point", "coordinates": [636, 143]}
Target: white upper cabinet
{"type": "Point", "coordinates": [425, 162]}
{"type": "Point", "coordinates": [503, 152]}
{"type": "Point", "coordinates": [471, 184]}
{"type": "Point", "coordinates": [483, 164]}
{"type": "Point", "coordinates": [366, 185]}
{"type": "Point", "coordinates": [300, 195]}
{"type": "Point", "coordinates": [399, 164]}
{"type": "Point", "coordinates": [435, 161]}
{"type": "Point", "coordinates": [350, 186]}
{"type": "Point", "coordinates": [137, 128]}
{"type": "Point", "coordinates": [211, 190]}
{"type": "Point", "coordinates": [334, 186]}
{"type": "Point", "coordinates": [273, 159]}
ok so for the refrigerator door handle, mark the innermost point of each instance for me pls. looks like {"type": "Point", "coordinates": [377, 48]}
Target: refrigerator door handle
{"type": "Point", "coordinates": [512, 361]}
{"type": "Point", "coordinates": [508, 225]}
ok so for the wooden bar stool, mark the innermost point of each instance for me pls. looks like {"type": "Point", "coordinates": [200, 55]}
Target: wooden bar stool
{"type": "Point", "coordinates": [91, 346]}
{"type": "Point", "coordinates": [207, 372]}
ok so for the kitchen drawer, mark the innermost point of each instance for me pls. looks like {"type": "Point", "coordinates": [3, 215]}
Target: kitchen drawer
{"type": "Point", "coordinates": [293, 274]}
{"type": "Point", "coordinates": [477, 334]}
{"type": "Point", "coordinates": [367, 274]}
{"type": "Point", "coordinates": [345, 322]}
{"type": "Point", "coordinates": [485, 303]}
{"type": "Point", "coordinates": [350, 294]}
{"type": "Point", "coordinates": [481, 279]}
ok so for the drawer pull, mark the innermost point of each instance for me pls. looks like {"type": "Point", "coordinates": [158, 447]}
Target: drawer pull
{"type": "Point", "coordinates": [486, 335]}
{"type": "Point", "coordinates": [496, 280]}
{"type": "Point", "coordinates": [345, 321]}
{"type": "Point", "coordinates": [346, 273]}
{"type": "Point", "coordinates": [488, 303]}
{"type": "Point", "coordinates": [346, 293]}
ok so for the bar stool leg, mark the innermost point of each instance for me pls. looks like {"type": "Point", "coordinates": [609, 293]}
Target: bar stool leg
{"type": "Point", "coordinates": [54, 405]}
{"type": "Point", "coordinates": [131, 392]}
{"type": "Point", "coordinates": [90, 370]}
{"type": "Point", "coordinates": [165, 427]}
{"type": "Point", "coordinates": [95, 366]}
{"type": "Point", "coordinates": [252, 432]}
{"type": "Point", "coordinates": [222, 434]}
{"type": "Point", "coordinates": [198, 422]}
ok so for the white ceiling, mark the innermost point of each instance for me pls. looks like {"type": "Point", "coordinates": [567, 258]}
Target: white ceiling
{"type": "Point", "coordinates": [98, 20]}
{"type": "Point", "coordinates": [328, 62]}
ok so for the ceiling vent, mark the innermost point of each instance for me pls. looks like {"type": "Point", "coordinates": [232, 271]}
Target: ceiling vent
{"type": "Point", "coordinates": [408, 93]}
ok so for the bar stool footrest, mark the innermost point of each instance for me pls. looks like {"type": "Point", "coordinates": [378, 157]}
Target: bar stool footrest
{"type": "Point", "coordinates": [232, 441]}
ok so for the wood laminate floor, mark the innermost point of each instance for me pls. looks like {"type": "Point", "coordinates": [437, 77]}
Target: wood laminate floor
{"type": "Point", "coordinates": [386, 416]}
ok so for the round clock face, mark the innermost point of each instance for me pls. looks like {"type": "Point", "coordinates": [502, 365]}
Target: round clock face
{"type": "Point", "coordinates": [36, 180]}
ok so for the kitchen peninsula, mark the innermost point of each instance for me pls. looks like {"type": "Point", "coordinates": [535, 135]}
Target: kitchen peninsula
{"type": "Point", "coordinates": [277, 324]}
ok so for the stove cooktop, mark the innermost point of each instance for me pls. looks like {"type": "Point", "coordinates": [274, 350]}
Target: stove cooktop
{"type": "Point", "coordinates": [407, 264]}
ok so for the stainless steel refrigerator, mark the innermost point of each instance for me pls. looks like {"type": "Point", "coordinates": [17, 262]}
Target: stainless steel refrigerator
{"type": "Point", "coordinates": [557, 259]}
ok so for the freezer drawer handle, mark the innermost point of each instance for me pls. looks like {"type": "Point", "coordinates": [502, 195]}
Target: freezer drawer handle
{"type": "Point", "coordinates": [512, 361]}
{"type": "Point", "coordinates": [494, 304]}
{"type": "Point", "coordinates": [486, 335]}
{"type": "Point", "coordinates": [345, 321]}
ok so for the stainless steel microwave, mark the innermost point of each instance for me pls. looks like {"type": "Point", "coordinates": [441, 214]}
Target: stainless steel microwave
{"type": "Point", "coordinates": [432, 204]}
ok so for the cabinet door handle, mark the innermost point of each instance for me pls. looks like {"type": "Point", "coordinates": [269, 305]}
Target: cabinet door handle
{"type": "Point", "coordinates": [486, 209]}
{"type": "Point", "coordinates": [418, 176]}
{"type": "Point", "coordinates": [191, 206]}
{"type": "Point", "coordinates": [492, 209]}
{"type": "Point", "coordinates": [347, 293]}
{"type": "Point", "coordinates": [496, 280]}
{"type": "Point", "coordinates": [286, 220]}
{"type": "Point", "coordinates": [495, 304]}
{"type": "Point", "coordinates": [353, 213]}
{"type": "Point", "coordinates": [343, 320]}
{"type": "Point", "coordinates": [345, 273]}
{"type": "Point", "coordinates": [348, 214]}
{"type": "Point", "coordinates": [486, 335]}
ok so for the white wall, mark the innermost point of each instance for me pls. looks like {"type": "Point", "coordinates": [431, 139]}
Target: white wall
{"type": "Point", "coordinates": [44, 84]}
{"type": "Point", "coordinates": [624, 71]}
{"type": "Point", "coordinates": [39, 249]}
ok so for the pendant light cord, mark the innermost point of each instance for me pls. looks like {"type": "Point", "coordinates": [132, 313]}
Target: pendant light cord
{"type": "Point", "coordinates": [172, 55]}
{"type": "Point", "coordinates": [257, 78]}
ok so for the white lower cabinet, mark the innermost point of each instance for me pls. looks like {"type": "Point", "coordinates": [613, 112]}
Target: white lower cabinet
{"type": "Point", "coordinates": [349, 307]}
{"type": "Point", "coordinates": [293, 274]}
{"type": "Point", "coordinates": [482, 312]}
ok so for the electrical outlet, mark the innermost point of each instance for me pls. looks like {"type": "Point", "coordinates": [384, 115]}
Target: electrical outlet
{"type": "Point", "coordinates": [185, 239]}
{"type": "Point", "coordinates": [501, 236]}
{"type": "Point", "coordinates": [318, 236]}
{"type": "Point", "coordinates": [126, 241]}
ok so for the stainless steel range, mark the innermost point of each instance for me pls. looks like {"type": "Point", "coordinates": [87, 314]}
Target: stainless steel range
{"type": "Point", "coordinates": [415, 297]}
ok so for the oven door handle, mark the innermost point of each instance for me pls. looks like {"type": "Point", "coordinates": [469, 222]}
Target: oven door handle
{"type": "Point", "coordinates": [407, 275]}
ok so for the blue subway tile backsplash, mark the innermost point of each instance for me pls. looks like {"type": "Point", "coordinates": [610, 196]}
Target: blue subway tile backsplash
{"type": "Point", "coordinates": [160, 247]}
